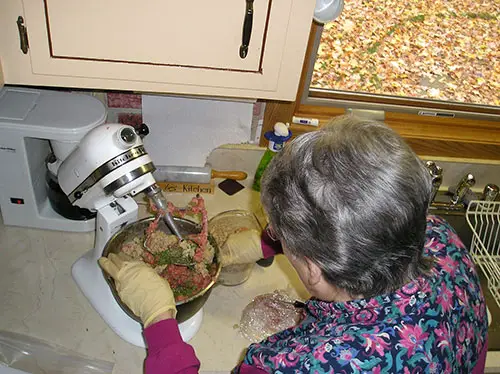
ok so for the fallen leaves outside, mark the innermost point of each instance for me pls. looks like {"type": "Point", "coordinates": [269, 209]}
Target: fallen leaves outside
{"type": "Point", "coordinates": [433, 49]}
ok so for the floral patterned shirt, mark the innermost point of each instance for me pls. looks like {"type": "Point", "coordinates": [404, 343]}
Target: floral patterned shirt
{"type": "Point", "coordinates": [435, 324]}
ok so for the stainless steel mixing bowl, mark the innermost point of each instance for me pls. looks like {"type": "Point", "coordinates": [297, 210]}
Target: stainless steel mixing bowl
{"type": "Point", "coordinates": [185, 309]}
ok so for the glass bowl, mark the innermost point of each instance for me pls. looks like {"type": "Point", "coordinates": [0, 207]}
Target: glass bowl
{"type": "Point", "coordinates": [221, 226]}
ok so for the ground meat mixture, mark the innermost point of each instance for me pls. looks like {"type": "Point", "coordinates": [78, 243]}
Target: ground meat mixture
{"type": "Point", "coordinates": [158, 241]}
{"type": "Point", "coordinates": [133, 248]}
{"type": "Point", "coordinates": [268, 314]}
{"type": "Point", "coordinates": [189, 265]}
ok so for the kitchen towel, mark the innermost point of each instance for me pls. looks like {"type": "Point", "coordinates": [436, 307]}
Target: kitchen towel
{"type": "Point", "coordinates": [183, 131]}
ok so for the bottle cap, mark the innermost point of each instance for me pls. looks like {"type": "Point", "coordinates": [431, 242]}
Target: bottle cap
{"type": "Point", "coordinates": [281, 129]}
{"type": "Point", "coordinates": [280, 134]}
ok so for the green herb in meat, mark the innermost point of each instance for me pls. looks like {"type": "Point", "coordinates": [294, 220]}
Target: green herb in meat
{"type": "Point", "coordinates": [173, 255]}
{"type": "Point", "coordinates": [187, 289]}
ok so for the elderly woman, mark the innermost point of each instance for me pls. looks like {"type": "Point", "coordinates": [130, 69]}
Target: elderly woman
{"type": "Point", "coordinates": [394, 290]}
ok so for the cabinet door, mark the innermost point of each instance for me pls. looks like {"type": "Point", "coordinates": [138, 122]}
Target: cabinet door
{"type": "Point", "coordinates": [1, 76]}
{"type": "Point", "coordinates": [176, 46]}
{"type": "Point", "coordinates": [199, 34]}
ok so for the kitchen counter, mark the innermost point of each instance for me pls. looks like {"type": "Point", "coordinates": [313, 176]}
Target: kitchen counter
{"type": "Point", "coordinates": [39, 298]}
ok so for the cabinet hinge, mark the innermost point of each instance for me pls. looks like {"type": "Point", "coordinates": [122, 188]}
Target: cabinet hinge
{"type": "Point", "coordinates": [23, 35]}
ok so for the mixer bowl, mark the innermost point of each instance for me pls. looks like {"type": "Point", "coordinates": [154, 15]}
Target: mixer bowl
{"type": "Point", "coordinates": [185, 309]}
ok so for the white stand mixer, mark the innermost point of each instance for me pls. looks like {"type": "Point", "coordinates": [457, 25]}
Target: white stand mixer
{"type": "Point", "coordinates": [108, 166]}
{"type": "Point", "coordinates": [99, 167]}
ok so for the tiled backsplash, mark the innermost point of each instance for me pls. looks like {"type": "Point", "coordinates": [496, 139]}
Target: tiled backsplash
{"type": "Point", "coordinates": [124, 100]}
{"type": "Point", "coordinates": [123, 108]}
{"type": "Point", "coordinates": [132, 119]}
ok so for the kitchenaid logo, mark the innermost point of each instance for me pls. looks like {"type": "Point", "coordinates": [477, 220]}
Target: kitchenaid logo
{"type": "Point", "coordinates": [7, 149]}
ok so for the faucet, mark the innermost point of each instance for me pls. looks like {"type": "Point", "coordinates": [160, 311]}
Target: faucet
{"type": "Point", "coordinates": [490, 192]}
{"type": "Point", "coordinates": [461, 194]}
{"type": "Point", "coordinates": [436, 173]}
{"type": "Point", "coordinates": [462, 187]}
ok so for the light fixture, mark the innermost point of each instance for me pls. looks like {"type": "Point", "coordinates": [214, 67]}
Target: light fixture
{"type": "Point", "coordinates": [327, 10]}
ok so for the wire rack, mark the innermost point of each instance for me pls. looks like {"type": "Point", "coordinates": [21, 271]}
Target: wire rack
{"type": "Point", "coordinates": [484, 220]}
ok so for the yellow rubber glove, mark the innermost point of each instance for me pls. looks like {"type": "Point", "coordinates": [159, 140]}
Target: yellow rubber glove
{"type": "Point", "coordinates": [146, 293]}
{"type": "Point", "coordinates": [243, 247]}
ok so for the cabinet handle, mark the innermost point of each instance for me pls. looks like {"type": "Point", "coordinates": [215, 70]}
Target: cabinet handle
{"type": "Point", "coordinates": [247, 29]}
{"type": "Point", "coordinates": [23, 34]}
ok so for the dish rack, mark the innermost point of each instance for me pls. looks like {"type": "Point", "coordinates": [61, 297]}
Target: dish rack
{"type": "Point", "coordinates": [483, 218]}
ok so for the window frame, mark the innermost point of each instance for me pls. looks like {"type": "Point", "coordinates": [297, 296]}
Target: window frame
{"type": "Point", "coordinates": [473, 137]}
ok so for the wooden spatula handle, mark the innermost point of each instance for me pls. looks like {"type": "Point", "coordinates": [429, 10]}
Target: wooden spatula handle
{"type": "Point", "coordinates": [229, 174]}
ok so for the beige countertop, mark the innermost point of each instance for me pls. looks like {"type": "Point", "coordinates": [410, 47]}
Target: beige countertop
{"type": "Point", "coordinates": [39, 297]}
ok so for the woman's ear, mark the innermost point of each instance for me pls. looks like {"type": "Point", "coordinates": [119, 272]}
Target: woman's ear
{"type": "Point", "coordinates": [315, 276]}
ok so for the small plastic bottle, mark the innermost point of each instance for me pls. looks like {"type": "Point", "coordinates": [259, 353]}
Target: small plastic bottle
{"type": "Point", "coordinates": [277, 139]}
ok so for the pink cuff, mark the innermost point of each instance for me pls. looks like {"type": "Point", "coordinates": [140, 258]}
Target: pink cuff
{"type": "Point", "coordinates": [481, 362]}
{"type": "Point", "coordinates": [269, 246]}
{"type": "Point", "coordinates": [162, 334]}
{"type": "Point", "coordinates": [167, 352]}
{"type": "Point", "coordinates": [247, 369]}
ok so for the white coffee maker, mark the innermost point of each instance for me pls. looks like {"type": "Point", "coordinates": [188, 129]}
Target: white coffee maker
{"type": "Point", "coordinates": [34, 125]}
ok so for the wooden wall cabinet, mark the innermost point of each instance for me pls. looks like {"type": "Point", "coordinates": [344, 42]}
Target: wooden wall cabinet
{"type": "Point", "coordinates": [158, 46]}
{"type": "Point", "coordinates": [2, 81]}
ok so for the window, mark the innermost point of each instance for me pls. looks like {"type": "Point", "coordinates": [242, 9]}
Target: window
{"type": "Point", "coordinates": [440, 54]}
{"type": "Point", "coordinates": [429, 69]}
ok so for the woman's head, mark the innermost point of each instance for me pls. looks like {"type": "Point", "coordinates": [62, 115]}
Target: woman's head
{"type": "Point", "coordinates": [352, 199]}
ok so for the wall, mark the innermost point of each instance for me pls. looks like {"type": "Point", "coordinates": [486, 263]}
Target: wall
{"type": "Point", "coordinates": [126, 108]}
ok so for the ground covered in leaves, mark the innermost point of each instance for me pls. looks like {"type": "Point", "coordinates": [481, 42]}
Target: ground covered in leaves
{"type": "Point", "coordinates": [435, 49]}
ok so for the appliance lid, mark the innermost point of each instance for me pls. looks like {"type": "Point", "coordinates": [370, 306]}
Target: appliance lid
{"type": "Point", "coordinates": [15, 104]}
{"type": "Point", "coordinates": [50, 114]}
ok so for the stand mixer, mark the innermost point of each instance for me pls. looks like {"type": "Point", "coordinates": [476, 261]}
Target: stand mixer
{"type": "Point", "coordinates": [109, 165]}
{"type": "Point", "coordinates": [99, 170]}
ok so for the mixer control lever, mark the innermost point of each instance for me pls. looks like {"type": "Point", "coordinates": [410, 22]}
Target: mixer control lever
{"type": "Point", "coordinates": [142, 130]}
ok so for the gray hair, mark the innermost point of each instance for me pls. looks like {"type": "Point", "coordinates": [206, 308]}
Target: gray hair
{"type": "Point", "coordinates": [352, 197]}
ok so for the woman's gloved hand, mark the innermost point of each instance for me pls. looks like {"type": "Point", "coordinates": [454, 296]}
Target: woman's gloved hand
{"type": "Point", "coordinates": [243, 247]}
{"type": "Point", "coordinates": [146, 293]}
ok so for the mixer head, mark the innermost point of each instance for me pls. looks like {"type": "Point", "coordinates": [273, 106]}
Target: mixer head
{"type": "Point", "coordinates": [110, 162]}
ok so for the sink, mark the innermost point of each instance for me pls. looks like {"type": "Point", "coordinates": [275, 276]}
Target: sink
{"type": "Point", "coordinates": [459, 223]}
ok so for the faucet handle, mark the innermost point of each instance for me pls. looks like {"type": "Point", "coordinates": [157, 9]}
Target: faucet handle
{"type": "Point", "coordinates": [434, 169]}
{"type": "Point", "coordinates": [436, 173]}
{"type": "Point", "coordinates": [490, 192]}
{"type": "Point", "coordinates": [462, 187]}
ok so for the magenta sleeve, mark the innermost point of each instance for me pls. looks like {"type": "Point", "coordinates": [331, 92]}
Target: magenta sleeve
{"type": "Point", "coordinates": [247, 369]}
{"type": "Point", "coordinates": [270, 247]}
{"type": "Point", "coordinates": [167, 352]}
{"type": "Point", "coordinates": [481, 362]}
